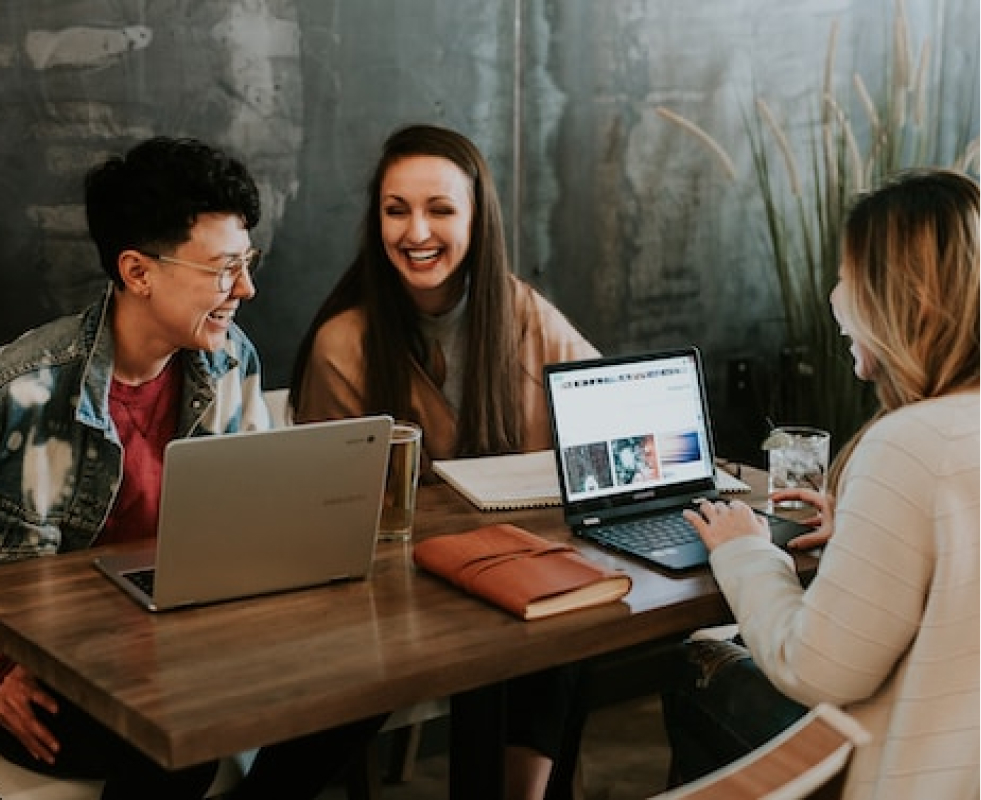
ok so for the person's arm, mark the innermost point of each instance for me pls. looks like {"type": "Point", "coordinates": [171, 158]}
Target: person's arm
{"type": "Point", "coordinates": [554, 336]}
{"type": "Point", "coordinates": [563, 342]}
{"type": "Point", "coordinates": [839, 640]}
{"type": "Point", "coordinates": [333, 384]}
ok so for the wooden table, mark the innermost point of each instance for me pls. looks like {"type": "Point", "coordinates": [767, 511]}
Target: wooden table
{"type": "Point", "coordinates": [197, 684]}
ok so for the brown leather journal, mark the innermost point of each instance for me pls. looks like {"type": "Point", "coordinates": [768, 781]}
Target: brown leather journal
{"type": "Point", "coordinates": [522, 573]}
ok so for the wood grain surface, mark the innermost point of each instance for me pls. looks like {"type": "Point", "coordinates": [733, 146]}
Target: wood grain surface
{"type": "Point", "coordinates": [196, 684]}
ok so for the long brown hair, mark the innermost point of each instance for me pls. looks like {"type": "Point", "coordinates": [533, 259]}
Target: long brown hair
{"type": "Point", "coordinates": [490, 412]}
{"type": "Point", "coordinates": [910, 263]}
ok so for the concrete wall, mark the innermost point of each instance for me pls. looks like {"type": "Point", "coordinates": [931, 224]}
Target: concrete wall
{"type": "Point", "coordinates": [621, 218]}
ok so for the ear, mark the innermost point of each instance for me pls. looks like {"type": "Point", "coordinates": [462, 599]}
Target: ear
{"type": "Point", "coordinates": [134, 272]}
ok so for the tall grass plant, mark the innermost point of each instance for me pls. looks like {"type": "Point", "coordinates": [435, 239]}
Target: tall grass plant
{"type": "Point", "coordinates": [858, 137]}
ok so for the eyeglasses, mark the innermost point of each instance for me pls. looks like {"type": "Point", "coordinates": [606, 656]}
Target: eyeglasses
{"type": "Point", "coordinates": [227, 274]}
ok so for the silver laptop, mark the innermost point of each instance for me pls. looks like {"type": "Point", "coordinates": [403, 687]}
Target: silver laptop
{"type": "Point", "coordinates": [252, 513]}
{"type": "Point", "coordinates": [633, 444]}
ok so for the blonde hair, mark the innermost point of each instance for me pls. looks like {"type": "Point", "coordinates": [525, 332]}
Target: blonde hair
{"type": "Point", "coordinates": [910, 264]}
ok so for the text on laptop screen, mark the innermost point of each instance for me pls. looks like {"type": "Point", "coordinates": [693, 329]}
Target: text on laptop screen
{"type": "Point", "coordinates": [626, 425]}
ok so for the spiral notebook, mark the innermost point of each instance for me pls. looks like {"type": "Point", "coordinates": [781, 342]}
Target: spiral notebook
{"type": "Point", "coordinates": [496, 483]}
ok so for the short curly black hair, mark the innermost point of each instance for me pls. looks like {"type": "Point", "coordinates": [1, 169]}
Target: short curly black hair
{"type": "Point", "coordinates": [151, 197]}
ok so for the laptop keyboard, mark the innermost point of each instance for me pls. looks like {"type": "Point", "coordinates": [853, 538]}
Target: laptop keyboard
{"type": "Point", "coordinates": [142, 579]}
{"type": "Point", "coordinates": [648, 534]}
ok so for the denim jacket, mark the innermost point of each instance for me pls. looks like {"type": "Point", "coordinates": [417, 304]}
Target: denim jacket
{"type": "Point", "coordinates": [61, 460]}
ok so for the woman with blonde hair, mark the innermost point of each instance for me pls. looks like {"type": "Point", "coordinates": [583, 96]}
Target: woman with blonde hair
{"type": "Point", "coordinates": [888, 629]}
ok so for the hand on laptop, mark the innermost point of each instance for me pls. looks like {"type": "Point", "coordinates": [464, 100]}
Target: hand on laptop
{"type": "Point", "coordinates": [719, 522]}
{"type": "Point", "coordinates": [823, 518]}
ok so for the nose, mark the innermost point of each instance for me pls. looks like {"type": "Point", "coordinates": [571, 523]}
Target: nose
{"type": "Point", "coordinates": [834, 298]}
{"type": "Point", "coordinates": [244, 286]}
{"type": "Point", "coordinates": [418, 228]}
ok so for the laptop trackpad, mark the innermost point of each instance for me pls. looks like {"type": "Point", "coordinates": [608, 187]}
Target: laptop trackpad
{"type": "Point", "coordinates": [682, 556]}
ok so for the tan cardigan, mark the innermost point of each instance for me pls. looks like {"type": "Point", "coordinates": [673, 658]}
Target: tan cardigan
{"type": "Point", "coordinates": [334, 382]}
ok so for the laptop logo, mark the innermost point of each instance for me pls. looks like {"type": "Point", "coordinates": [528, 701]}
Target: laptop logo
{"type": "Point", "coordinates": [341, 500]}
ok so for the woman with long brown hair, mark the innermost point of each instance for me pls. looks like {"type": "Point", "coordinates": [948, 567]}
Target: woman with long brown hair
{"type": "Point", "coordinates": [429, 324]}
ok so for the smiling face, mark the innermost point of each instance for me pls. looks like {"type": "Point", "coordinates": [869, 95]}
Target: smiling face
{"type": "Point", "coordinates": [186, 308]}
{"type": "Point", "coordinates": [864, 361]}
{"type": "Point", "coordinates": [426, 214]}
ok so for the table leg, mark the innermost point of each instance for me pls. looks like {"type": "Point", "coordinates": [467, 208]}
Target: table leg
{"type": "Point", "coordinates": [477, 744]}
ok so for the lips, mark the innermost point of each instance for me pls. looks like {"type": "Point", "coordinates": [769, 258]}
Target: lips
{"type": "Point", "coordinates": [423, 256]}
{"type": "Point", "coordinates": [222, 315]}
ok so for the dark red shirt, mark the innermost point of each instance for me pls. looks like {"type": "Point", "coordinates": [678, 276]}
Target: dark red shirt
{"type": "Point", "coordinates": [146, 419]}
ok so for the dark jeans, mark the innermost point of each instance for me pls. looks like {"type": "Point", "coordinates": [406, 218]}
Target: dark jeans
{"type": "Point", "coordinates": [718, 706]}
{"type": "Point", "coordinates": [304, 765]}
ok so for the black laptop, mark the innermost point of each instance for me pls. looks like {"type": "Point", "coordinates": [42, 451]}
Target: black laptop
{"type": "Point", "coordinates": [633, 445]}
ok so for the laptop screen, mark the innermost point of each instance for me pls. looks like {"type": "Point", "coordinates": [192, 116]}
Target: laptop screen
{"type": "Point", "coordinates": [632, 423]}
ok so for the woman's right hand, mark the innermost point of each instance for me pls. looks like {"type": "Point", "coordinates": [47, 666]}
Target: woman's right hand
{"type": "Point", "coordinates": [823, 517]}
{"type": "Point", "coordinates": [19, 693]}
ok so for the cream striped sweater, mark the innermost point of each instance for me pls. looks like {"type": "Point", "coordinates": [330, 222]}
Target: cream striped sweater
{"type": "Point", "coordinates": [889, 627]}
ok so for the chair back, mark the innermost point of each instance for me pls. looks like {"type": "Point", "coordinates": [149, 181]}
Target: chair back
{"type": "Point", "coordinates": [277, 400]}
{"type": "Point", "coordinates": [805, 762]}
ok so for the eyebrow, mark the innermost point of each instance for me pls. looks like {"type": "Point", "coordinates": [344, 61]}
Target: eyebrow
{"type": "Point", "coordinates": [434, 198]}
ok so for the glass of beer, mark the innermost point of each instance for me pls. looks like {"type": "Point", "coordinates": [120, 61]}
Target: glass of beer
{"type": "Point", "coordinates": [399, 504]}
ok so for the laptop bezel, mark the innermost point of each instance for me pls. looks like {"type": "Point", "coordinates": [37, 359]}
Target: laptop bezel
{"type": "Point", "coordinates": [643, 500]}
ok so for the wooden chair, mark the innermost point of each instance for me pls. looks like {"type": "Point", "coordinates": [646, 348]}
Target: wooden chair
{"type": "Point", "coordinates": [805, 762]}
{"type": "Point", "coordinates": [404, 728]}
{"type": "Point", "coordinates": [277, 401]}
